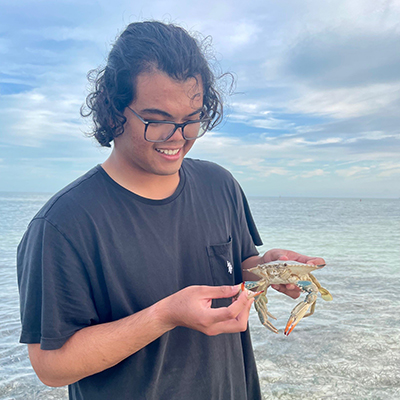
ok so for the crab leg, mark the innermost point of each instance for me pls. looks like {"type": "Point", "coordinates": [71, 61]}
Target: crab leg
{"type": "Point", "coordinates": [324, 292]}
{"type": "Point", "coordinates": [299, 312]}
{"type": "Point", "coordinates": [260, 305]}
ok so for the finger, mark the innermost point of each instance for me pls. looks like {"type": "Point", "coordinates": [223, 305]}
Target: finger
{"type": "Point", "coordinates": [290, 290]}
{"type": "Point", "coordinates": [294, 294]}
{"type": "Point", "coordinates": [315, 261]}
{"type": "Point", "coordinates": [220, 292]}
{"type": "Point", "coordinates": [226, 313]}
{"type": "Point", "coordinates": [238, 324]}
{"type": "Point", "coordinates": [214, 292]}
{"type": "Point", "coordinates": [230, 326]}
{"type": "Point", "coordinates": [291, 286]}
{"type": "Point", "coordinates": [279, 288]}
{"type": "Point", "coordinates": [303, 259]}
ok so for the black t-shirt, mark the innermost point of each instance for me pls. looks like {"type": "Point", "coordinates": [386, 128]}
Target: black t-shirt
{"type": "Point", "coordinates": [97, 252]}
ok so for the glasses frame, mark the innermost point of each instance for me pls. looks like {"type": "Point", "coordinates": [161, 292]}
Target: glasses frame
{"type": "Point", "coordinates": [177, 126]}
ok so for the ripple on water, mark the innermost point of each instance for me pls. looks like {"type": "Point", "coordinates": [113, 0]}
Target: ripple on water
{"type": "Point", "coordinates": [334, 363]}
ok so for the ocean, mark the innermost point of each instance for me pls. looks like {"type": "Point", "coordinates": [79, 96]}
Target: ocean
{"type": "Point", "coordinates": [350, 347]}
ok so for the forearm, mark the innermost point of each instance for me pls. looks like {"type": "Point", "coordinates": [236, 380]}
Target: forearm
{"type": "Point", "coordinates": [96, 348]}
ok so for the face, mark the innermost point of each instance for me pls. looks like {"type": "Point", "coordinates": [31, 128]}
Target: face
{"type": "Point", "coordinates": [159, 97]}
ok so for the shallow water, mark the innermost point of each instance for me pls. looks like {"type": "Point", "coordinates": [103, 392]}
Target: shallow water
{"type": "Point", "coordinates": [350, 347]}
{"type": "Point", "coordinates": [17, 379]}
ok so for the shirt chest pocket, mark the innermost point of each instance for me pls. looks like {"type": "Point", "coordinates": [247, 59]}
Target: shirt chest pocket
{"type": "Point", "coordinates": [222, 270]}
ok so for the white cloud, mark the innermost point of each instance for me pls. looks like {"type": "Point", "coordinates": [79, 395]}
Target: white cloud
{"type": "Point", "coordinates": [346, 102]}
{"type": "Point", "coordinates": [299, 162]}
{"type": "Point", "coordinates": [246, 108]}
{"type": "Point", "coordinates": [310, 174]}
{"type": "Point", "coordinates": [318, 82]}
{"type": "Point", "coordinates": [351, 172]}
{"type": "Point", "coordinates": [389, 173]}
{"type": "Point", "coordinates": [35, 117]}
{"type": "Point", "coordinates": [388, 169]}
{"type": "Point", "coordinates": [242, 33]}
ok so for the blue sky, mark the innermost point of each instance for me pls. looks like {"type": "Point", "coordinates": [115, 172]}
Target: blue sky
{"type": "Point", "coordinates": [315, 110]}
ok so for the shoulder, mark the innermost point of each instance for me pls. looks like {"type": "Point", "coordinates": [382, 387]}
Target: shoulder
{"type": "Point", "coordinates": [78, 195]}
{"type": "Point", "coordinates": [207, 170]}
{"type": "Point", "coordinates": [211, 179]}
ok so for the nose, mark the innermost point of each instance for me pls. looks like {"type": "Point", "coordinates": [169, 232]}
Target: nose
{"type": "Point", "coordinates": [177, 135]}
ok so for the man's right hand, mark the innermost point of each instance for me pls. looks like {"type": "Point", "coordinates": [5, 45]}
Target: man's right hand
{"type": "Point", "coordinates": [191, 307]}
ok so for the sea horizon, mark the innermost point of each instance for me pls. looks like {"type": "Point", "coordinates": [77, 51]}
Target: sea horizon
{"type": "Point", "coordinates": [247, 195]}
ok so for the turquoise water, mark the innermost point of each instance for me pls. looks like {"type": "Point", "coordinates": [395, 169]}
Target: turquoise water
{"type": "Point", "coordinates": [350, 347]}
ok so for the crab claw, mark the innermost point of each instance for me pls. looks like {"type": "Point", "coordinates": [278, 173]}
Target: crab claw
{"type": "Point", "coordinates": [250, 294]}
{"type": "Point", "coordinates": [254, 294]}
{"type": "Point", "coordinates": [251, 284]}
{"type": "Point", "coordinates": [295, 317]}
{"type": "Point", "coordinates": [299, 312]}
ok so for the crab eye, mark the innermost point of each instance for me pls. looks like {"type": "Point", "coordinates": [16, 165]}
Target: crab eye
{"type": "Point", "coordinates": [285, 264]}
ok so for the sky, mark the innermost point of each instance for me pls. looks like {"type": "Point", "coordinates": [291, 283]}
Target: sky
{"type": "Point", "coordinates": [314, 111]}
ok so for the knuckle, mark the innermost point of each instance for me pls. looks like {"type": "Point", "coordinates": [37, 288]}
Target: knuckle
{"type": "Point", "coordinates": [244, 299]}
{"type": "Point", "coordinates": [230, 314]}
{"type": "Point", "coordinates": [205, 322]}
{"type": "Point", "coordinates": [210, 332]}
{"type": "Point", "coordinates": [225, 290]}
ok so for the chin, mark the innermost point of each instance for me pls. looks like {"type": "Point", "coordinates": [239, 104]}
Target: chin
{"type": "Point", "coordinates": [168, 169]}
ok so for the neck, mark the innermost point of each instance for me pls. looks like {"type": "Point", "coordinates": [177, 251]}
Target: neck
{"type": "Point", "coordinates": [140, 182]}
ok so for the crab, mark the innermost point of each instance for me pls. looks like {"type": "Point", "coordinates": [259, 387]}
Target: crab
{"type": "Point", "coordinates": [286, 272]}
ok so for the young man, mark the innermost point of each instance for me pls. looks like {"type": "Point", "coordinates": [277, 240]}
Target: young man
{"type": "Point", "coordinates": [127, 275]}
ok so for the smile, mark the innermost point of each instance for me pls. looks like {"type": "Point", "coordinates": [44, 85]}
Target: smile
{"type": "Point", "coordinates": [168, 152]}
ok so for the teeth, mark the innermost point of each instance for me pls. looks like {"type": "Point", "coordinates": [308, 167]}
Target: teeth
{"type": "Point", "coordinates": [168, 152]}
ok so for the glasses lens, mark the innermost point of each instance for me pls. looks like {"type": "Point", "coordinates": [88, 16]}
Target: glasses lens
{"type": "Point", "coordinates": [159, 132]}
{"type": "Point", "coordinates": [196, 129]}
{"type": "Point", "coordinates": [192, 131]}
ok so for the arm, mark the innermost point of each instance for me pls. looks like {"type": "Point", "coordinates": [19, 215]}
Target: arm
{"type": "Point", "coordinates": [279, 254]}
{"type": "Point", "coordinates": [96, 348]}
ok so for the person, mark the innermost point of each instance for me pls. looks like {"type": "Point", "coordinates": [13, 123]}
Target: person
{"type": "Point", "coordinates": [128, 276]}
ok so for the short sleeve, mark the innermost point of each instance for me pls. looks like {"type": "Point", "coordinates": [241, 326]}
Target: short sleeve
{"type": "Point", "coordinates": [244, 225]}
{"type": "Point", "coordinates": [55, 292]}
{"type": "Point", "coordinates": [250, 221]}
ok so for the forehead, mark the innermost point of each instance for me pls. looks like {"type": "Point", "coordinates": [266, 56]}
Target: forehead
{"type": "Point", "coordinates": [158, 90]}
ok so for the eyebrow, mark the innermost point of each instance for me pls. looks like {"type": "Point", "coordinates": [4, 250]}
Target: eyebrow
{"type": "Point", "coordinates": [156, 111]}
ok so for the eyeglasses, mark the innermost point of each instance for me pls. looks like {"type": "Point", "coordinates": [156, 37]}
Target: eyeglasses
{"type": "Point", "coordinates": [161, 131]}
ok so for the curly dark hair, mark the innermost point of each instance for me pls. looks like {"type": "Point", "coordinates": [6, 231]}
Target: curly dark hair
{"type": "Point", "coordinates": [144, 47]}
